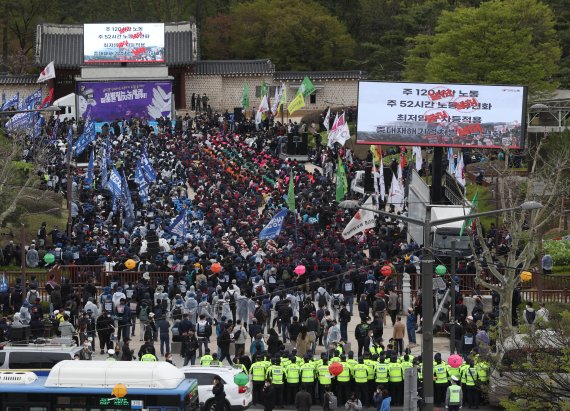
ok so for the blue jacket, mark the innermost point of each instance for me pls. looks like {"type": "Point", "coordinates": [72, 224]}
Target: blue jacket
{"type": "Point", "coordinates": [386, 404]}
{"type": "Point", "coordinates": [411, 321]}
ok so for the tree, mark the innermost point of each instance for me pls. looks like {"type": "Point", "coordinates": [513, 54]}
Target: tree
{"type": "Point", "coordinates": [500, 42]}
{"type": "Point", "coordinates": [294, 34]}
{"type": "Point", "coordinates": [547, 183]}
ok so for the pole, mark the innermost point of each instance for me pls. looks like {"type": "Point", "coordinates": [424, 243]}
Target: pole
{"type": "Point", "coordinates": [69, 188]}
{"type": "Point", "coordinates": [23, 249]}
{"type": "Point", "coordinates": [427, 314]}
{"type": "Point", "coordinates": [452, 323]}
{"type": "Point", "coordinates": [539, 255]}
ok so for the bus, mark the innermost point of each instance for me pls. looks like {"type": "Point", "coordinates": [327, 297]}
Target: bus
{"type": "Point", "coordinates": [92, 386]}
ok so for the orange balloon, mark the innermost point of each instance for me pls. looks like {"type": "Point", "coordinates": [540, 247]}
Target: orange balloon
{"type": "Point", "coordinates": [526, 276]}
{"type": "Point", "coordinates": [216, 267]}
{"type": "Point", "coordinates": [130, 264]}
{"type": "Point", "coordinates": [119, 390]}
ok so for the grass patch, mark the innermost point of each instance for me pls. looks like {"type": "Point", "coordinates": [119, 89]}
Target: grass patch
{"type": "Point", "coordinates": [561, 269]}
{"type": "Point", "coordinates": [486, 202]}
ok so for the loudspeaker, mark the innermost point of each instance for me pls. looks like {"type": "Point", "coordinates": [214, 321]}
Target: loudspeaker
{"type": "Point", "coordinates": [290, 144]}
{"type": "Point", "coordinates": [238, 114]}
{"type": "Point", "coordinates": [304, 147]}
{"type": "Point", "coordinates": [368, 183]}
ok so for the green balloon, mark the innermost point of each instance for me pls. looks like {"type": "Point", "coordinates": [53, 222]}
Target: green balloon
{"type": "Point", "coordinates": [241, 379]}
{"type": "Point", "coordinates": [440, 270]}
{"type": "Point", "coordinates": [49, 258]}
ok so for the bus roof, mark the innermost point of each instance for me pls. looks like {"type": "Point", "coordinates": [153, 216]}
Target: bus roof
{"type": "Point", "coordinates": [107, 374]}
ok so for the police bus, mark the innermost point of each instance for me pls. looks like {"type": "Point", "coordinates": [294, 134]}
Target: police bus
{"type": "Point", "coordinates": [100, 385]}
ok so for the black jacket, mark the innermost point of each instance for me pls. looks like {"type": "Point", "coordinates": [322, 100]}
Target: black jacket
{"type": "Point", "coordinates": [268, 397]}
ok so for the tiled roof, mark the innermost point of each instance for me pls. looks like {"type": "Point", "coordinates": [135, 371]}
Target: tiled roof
{"type": "Point", "coordinates": [320, 75]}
{"type": "Point", "coordinates": [8, 79]}
{"type": "Point", "coordinates": [234, 67]}
{"type": "Point", "coordinates": [63, 44]}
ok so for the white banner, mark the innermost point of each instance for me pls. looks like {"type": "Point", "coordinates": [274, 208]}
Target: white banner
{"type": "Point", "coordinates": [429, 114]}
{"type": "Point", "coordinates": [362, 220]}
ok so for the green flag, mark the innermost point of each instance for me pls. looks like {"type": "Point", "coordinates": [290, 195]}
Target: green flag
{"type": "Point", "coordinates": [291, 194]}
{"type": "Point", "coordinates": [474, 202]}
{"type": "Point", "coordinates": [245, 97]}
{"type": "Point", "coordinates": [263, 89]}
{"type": "Point", "coordinates": [341, 182]}
{"type": "Point", "coordinates": [307, 87]}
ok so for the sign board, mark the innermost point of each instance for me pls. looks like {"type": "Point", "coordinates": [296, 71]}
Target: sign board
{"type": "Point", "coordinates": [123, 43]}
{"type": "Point", "coordinates": [430, 114]}
{"type": "Point", "coordinates": [109, 100]}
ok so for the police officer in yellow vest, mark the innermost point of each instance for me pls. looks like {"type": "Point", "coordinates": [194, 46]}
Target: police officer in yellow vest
{"type": "Point", "coordinates": [396, 376]}
{"type": "Point", "coordinates": [469, 375]}
{"type": "Point", "coordinates": [371, 368]}
{"type": "Point", "coordinates": [308, 375]}
{"type": "Point", "coordinates": [482, 368]}
{"type": "Point", "coordinates": [454, 395]}
{"type": "Point", "coordinates": [360, 376]}
{"type": "Point", "coordinates": [343, 381]}
{"type": "Point", "coordinates": [382, 368]}
{"type": "Point", "coordinates": [215, 361]}
{"type": "Point", "coordinates": [441, 379]}
{"type": "Point", "coordinates": [257, 371]}
{"type": "Point", "coordinates": [325, 378]}
{"type": "Point", "coordinates": [293, 376]}
{"type": "Point", "coordinates": [277, 375]}
{"type": "Point", "coordinates": [206, 359]}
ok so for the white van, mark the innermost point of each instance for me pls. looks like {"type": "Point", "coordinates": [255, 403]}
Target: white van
{"type": "Point", "coordinates": [67, 105]}
{"type": "Point", "coordinates": [38, 358]}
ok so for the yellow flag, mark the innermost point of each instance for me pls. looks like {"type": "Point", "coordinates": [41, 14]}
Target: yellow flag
{"type": "Point", "coordinates": [297, 103]}
{"type": "Point", "coordinates": [375, 155]}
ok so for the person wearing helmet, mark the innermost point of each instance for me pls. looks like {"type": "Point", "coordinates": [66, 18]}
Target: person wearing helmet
{"type": "Point", "coordinates": [111, 356]}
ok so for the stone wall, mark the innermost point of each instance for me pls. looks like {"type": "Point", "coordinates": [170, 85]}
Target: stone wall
{"type": "Point", "coordinates": [24, 89]}
{"type": "Point", "coordinates": [225, 93]}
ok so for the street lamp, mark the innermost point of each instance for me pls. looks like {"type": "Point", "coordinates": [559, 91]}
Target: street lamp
{"type": "Point", "coordinates": [427, 275]}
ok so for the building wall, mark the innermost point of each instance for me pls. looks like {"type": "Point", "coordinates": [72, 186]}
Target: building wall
{"type": "Point", "coordinates": [225, 93]}
{"type": "Point", "coordinates": [24, 89]}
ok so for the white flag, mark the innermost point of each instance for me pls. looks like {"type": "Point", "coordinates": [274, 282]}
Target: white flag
{"type": "Point", "coordinates": [47, 73]}
{"type": "Point", "coordinates": [277, 98]}
{"type": "Point", "coordinates": [381, 178]}
{"type": "Point", "coordinates": [396, 195]}
{"type": "Point", "coordinates": [332, 132]}
{"type": "Point", "coordinates": [263, 107]}
{"type": "Point", "coordinates": [459, 170]}
{"type": "Point", "coordinates": [339, 132]}
{"type": "Point", "coordinates": [362, 220]}
{"type": "Point", "coordinates": [375, 179]}
{"type": "Point", "coordinates": [450, 159]}
{"type": "Point", "coordinates": [418, 153]}
{"type": "Point", "coordinates": [327, 120]}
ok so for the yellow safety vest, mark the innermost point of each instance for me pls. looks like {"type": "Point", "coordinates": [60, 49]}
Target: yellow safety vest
{"type": "Point", "coordinates": [206, 360]}
{"type": "Point", "coordinates": [285, 362]}
{"type": "Point", "coordinates": [405, 365]}
{"type": "Point", "coordinates": [453, 372]}
{"type": "Point", "coordinates": [470, 376]}
{"type": "Point", "coordinates": [258, 371]}
{"type": "Point", "coordinates": [482, 371]}
{"type": "Point", "coordinates": [454, 394]}
{"type": "Point", "coordinates": [351, 363]}
{"type": "Point", "coordinates": [324, 375]}
{"type": "Point", "coordinates": [335, 359]}
{"type": "Point", "coordinates": [395, 372]}
{"type": "Point", "coordinates": [440, 371]}
{"type": "Point", "coordinates": [307, 372]}
{"type": "Point", "coordinates": [344, 376]}
{"type": "Point", "coordinates": [148, 357]}
{"type": "Point", "coordinates": [293, 372]}
{"type": "Point", "coordinates": [462, 372]}
{"type": "Point", "coordinates": [382, 372]}
{"type": "Point", "coordinates": [276, 374]}
{"type": "Point", "coordinates": [371, 368]}
{"type": "Point", "coordinates": [360, 373]}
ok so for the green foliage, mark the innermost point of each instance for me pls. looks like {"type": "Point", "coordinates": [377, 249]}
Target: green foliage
{"type": "Point", "coordinates": [559, 250]}
{"type": "Point", "coordinates": [23, 166]}
{"type": "Point", "coordinates": [294, 34]}
{"type": "Point", "coordinates": [501, 42]}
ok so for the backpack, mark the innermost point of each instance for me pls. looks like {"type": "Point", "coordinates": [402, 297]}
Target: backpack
{"type": "Point", "coordinates": [333, 401]}
{"type": "Point", "coordinates": [232, 298]}
{"type": "Point", "coordinates": [371, 288]}
{"type": "Point", "coordinates": [164, 304]}
{"type": "Point", "coordinates": [348, 287]}
{"type": "Point", "coordinates": [143, 314]}
{"type": "Point", "coordinates": [33, 296]}
{"type": "Point", "coordinates": [322, 300]}
{"type": "Point", "coordinates": [259, 290]}
{"type": "Point", "coordinates": [177, 313]}
{"type": "Point", "coordinates": [336, 301]}
{"type": "Point", "coordinates": [530, 316]}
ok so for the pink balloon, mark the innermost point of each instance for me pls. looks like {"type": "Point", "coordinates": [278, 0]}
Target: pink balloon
{"type": "Point", "coordinates": [300, 270]}
{"type": "Point", "coordinates": [455, 361]}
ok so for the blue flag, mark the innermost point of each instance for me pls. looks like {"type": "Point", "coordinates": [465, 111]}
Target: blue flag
{"type": "Point", "coordinates": [178, 226]}
{"type": "Point", "coordinates": [11, 102]}
{"type": "Point", "coordinates": [34, 99]}
{"type": "Point", "coordinates": [86, 138]}
{"type": "Point", "coordinates": [91, 168]}
{"type": "Point", "coordinates": [142, 183]}
{"type": "Point", "coordinates": [54, 129]}
{"type": "Point", "coordinates": [127, 202]}
{"type": "Point", "coordinates": [273, 228]}
{"type": "Point", "coordinates": [115, 183]}
{"type": "Point", "coordinates": [147, 170]}
{"type": "Point", "coordinates": [105, 161]}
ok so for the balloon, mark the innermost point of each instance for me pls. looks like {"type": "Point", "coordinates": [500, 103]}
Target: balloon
{"type": "Point", "coordinates": [49, 258]}
{"type": "Point", "coordinates": [335, 368]}
{"type": "Point", "coordinates": [130, 264]}
{"type": "Point", "coordinates": [216, 268]}
{"type": "Point", "coordinates": [440, 270]}
{"type": "Point", "coordinates": [241, 379]}
{"type": "Point", "coordinates": [300, 270]}
{"type": "Point", "coordinates": [119, 390]}
{"type": "Point", "coordinates": [526, 276]}
{"type": "Point", "coordinates": [386, 271]}
{"type": "Point", "coordinates": [455, 361]}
